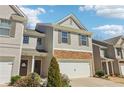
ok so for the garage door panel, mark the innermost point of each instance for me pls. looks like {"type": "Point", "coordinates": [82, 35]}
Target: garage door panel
{"type": "Point", "coordinates": [75, 69]}
{"type": "Point", "coordinates": [122, 69]}
{"type": "Point", "coordinates": [5, 72]}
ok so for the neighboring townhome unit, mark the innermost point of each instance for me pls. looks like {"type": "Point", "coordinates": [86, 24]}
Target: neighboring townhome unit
{"type": "Point", "coordinates": [12, 22]}
{"type": "Point", "coordinates": [104, 57]}
{"type": "Point", "coordinates": [118, 44]}
{"type": "Point", "coordinates": [71, 44]}
{"type": "Point", "coordinates": [34, 53]}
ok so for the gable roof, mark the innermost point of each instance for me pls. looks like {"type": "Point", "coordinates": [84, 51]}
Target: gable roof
{"type": "Point", "coordinates": [74, 18]}
{"type": "Point", "coordinates": [18, 10]}
{"type": "Point", "coordinates": [101, 44]}
{"type": "Point", "coordinates": [114, 40]}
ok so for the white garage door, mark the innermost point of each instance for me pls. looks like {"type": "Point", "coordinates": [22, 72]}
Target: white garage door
{"type": "Point", "coordinates": [122, 69]}
{"type": "Point", "coordinates": [75, 69]}
{"type": "Point", "coordinates": [5, 72]}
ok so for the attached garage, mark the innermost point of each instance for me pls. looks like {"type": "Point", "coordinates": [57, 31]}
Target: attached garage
{"type": "Point", "coordinates": [5, 69]}
{"type": "Point", "coordinates": [75, 69]}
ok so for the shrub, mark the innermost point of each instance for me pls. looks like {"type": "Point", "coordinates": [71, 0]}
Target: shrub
{"type": "Point", "coordinates": [65, 80]}
{"type": "Point", "coordinates": [23, 82]}
{"type": "Point", "coordinates": [32, 80]}
{"type": "Point", "coordinates": [14, 79]}
{"type": "Point", "coordinates": [54, 78]}
{"type": "Point", "coordinates": [100, 73]}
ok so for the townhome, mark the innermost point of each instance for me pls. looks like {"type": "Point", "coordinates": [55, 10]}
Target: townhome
{"type": "Point", "coordinates": [12, 21]}
{"type": "Point", "coordinates": [71, 44]}
{"type": "Point", "coordinates": [104, 57]}
{"type": "Point", "coordinates": [118, 44]}
{"type": "Point", "coordinates": [23, 51]}
{"type": "Point", "coordinates": [34, 54]}
{"type": "Point", "coordinates": [109, 55]}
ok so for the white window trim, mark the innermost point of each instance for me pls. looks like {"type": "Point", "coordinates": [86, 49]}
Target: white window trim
{"type": "Point", "coordinates": [64, 37]}
{"type": "Point", "coordinates": [83, 40]}
{"type": "Point", "coordinates": [4, 27]}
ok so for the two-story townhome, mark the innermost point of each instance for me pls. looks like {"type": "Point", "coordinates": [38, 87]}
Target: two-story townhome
{"type": "Point", "coordinates": [71, 44]}
{"type": "Point", "coordinates": [104, 58]}
{"type": "Point", "coordinates": [12, 21]}
{"type": "Point", "coordinates": [118, 44]}
{"type": "Point", "coordinates": [23, 51]}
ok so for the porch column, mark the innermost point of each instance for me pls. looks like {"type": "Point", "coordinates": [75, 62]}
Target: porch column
{"type": "Point", "coordinates": [107, 67]}
{"type": "Point", "coordinates": [32, 66]}
{"type": "Point", "coordinates": [112, 68]}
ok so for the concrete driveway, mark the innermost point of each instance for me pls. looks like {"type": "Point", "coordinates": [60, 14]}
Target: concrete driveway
{"type": "Point", "coordinates": [93, 82]}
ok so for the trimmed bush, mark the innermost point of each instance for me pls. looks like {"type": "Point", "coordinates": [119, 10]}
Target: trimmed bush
{"type": "Point", "coordinates": [14, 79]}
{"type": "Point", "coordinates": [54, 77]}
{"type": "Point", "coordinates": [100, 73]}
{"type": "Point", "coordinates": [65, 80]}
{"type": "Point", "coordinates": [32, 80]}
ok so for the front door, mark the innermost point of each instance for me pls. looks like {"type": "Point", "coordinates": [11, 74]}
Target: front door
{"type": "Point", "coordinates": [37, 66]}
{"type": "Point", "coordinates": [23, 67]}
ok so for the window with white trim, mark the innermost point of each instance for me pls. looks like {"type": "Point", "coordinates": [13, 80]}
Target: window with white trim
{"type": "Point", "coordinates": [25, 39]}
{"type": "Point", "coordinates": [84, 40]}
{"type": "Point", "coordinates": [5, 27]}
{"type": "Point", "coordinates": [64, 37]}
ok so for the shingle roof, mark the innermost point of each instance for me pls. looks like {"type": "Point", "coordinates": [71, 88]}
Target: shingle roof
{"type": "Point", "coordinates": [113, 40]}
{"type": "Point", "coordinates": [100, 42]}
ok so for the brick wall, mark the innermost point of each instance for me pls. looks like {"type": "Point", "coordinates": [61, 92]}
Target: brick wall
{"type": "Point", "coordinates": [72, 54]}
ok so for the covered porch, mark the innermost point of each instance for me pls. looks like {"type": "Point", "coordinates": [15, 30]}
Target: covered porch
{"type": "Point", "coordinates": [108, 66]}
{"type": "Point", "coordinates": [32, 61]}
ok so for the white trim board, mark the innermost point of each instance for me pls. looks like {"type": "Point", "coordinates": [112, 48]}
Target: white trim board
{"type": "Point", "coordinates": [73, 50]}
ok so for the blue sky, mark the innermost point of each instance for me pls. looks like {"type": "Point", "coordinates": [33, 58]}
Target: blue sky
{"type": "Point", "coordinates": [103, 21]}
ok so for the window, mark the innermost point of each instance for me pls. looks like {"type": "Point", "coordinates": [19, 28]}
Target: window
{"type": "Point", "coordinates": [64, 37]}
{"type": "Point", "coordinates": [83, 40]}
{"type": "Point", "coordinates": [103, 52]}
{"type": "Point", "coordinates": [118, 51]}
{"type": "Point", "coordinates": [5, 27]}
{"type": "Point", "coordinates": [39, 41]}
{"type": "Point", "coordinates": [26, 39]}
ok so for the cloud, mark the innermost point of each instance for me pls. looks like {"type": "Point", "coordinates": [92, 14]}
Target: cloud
{"type": "Point", "coordinates": [32, 15]}
{"type": "Point", "coordinates": [86, 7]}
{"type": "Point", "coordinates": [111, 30]}
{"type": "Point", "coordinates": [112, 11]}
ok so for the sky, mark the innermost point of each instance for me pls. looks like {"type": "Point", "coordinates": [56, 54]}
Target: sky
{"type": "Point", "coordinates": [104, 21]}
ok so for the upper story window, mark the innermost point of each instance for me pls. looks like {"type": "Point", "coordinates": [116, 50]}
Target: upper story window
{"type": "Point", "coordinates": [103, 52]}
{"type": "Point", "coordinates": [83, 40]}
{"type": "Point", "coordinates": [119, 52]}
{"type": "Point", "coordinates": [5, 27]}
{"type": "Point", "coordinates": [39, 41]}
{"type": "Point", "coordinates": [26, 39]}
{"type": "Point", "coordinates": [64, 37]}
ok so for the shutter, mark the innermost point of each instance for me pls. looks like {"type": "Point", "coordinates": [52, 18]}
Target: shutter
{"type": "Point", "coordinates": [12, 30]}
{"type": "Point", "coordinates": [79, 40]}
{"type": "Point", "coordinates": [59, 37]}
{"type": "Point", "coordinates": [87, 41]}
{"type": "Point", "coordinates": [69, 38]}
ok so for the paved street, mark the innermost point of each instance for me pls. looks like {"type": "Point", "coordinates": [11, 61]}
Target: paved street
{"type": "Point", "coordinates": [93, 82]}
